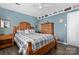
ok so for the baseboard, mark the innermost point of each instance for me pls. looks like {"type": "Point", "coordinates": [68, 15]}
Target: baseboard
{"type": "Point", "coordinates": [67, 44]}
{"type": "Point", "coordinates": [63, 43]}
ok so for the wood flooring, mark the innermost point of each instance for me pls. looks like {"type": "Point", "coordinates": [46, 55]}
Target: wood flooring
{"type": "Point", "coordinates": [61, 50]}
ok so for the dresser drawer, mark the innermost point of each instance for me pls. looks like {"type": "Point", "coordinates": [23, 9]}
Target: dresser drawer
{"type": "Point", "coordinates": [47, 28]}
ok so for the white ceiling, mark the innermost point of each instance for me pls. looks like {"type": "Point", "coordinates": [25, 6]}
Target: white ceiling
{"type": "Point", "coordinates": [35, 9]}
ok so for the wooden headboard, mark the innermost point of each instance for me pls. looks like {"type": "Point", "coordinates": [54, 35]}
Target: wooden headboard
{"type": "Point", "coordinates": [23, 26]}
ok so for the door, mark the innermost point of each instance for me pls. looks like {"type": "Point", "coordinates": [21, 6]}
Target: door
{"type": "Point", "coordinates": [73, 28]}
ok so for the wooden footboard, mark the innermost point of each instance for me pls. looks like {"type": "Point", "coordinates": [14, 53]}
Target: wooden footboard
{"type": "Point", "coordinates": [43, 50]}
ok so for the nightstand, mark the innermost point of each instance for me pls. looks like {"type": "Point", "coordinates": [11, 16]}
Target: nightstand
{"type": "Point", "coordinates": [5, 40]}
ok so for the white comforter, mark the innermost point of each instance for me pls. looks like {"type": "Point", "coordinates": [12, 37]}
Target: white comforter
{"type": "Point", "coordinates": [37, 40]}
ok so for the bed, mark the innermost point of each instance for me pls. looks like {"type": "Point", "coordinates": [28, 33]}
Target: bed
{"type": "Point", "coordinates": [30, 42]}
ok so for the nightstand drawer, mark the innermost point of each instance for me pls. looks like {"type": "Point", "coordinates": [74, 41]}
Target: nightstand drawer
{"type": "Point", "coordinates": [5, 37]}
{"type": "Point", "coordinates": [5, 40]}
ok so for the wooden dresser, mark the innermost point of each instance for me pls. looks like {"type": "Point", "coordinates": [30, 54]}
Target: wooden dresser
{"type": "Point", "coordinates": [47, 28]}
{"type": "Point", "coordinates": [5, 40]}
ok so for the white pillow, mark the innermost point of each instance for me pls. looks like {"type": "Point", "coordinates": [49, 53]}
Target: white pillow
{"type": "Point", "coordinates": [20, 31]}
{"type": "Point", "coordinates": [27, 31]}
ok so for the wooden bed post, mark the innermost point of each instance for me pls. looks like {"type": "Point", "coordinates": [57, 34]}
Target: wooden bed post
{"type": "Point", "coordinates": [55, 42]}
{"type": "Point", "coordinates": [29, 50]}
{"type": "Point", "coordinates": [14, 31]}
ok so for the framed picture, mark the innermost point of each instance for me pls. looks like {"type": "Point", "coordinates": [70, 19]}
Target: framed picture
{"type": "Point", "coordinates": [6, 24]}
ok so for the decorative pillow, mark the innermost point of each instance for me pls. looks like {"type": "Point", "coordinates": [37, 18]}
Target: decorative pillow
{"type": "Point", "coordinates": [32, 31]}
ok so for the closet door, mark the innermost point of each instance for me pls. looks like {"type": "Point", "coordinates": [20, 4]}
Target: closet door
{"type": "Point", "coordinates": [73, 28]}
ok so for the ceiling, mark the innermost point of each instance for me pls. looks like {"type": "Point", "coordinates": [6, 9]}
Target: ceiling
{"type": "Point", "coordinates": [35, 9]}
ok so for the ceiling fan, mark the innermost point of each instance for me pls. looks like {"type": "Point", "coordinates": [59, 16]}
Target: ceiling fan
{"type": "Point", "coordinates": [17, 3]}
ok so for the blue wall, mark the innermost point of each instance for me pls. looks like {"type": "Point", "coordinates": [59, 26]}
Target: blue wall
{"type": "Point", "coordinates": [16, 18]}
{"type": "Point", "coordinates": [59, 28]}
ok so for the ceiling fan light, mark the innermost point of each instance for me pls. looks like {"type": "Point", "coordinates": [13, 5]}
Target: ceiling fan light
{"type": "Point", "coordinates": [40, 7]}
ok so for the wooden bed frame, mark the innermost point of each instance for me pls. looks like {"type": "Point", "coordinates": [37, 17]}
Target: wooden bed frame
{"type": "Point", "coordinates": [42, 50]}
